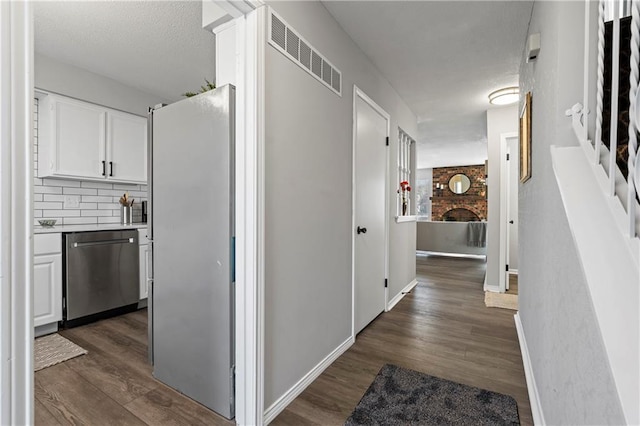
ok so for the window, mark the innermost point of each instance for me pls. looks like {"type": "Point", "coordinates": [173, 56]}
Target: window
{"type": "Point", "coordinates": [406, 179]}
{"type": "Point", "coordinates": [423, 193]}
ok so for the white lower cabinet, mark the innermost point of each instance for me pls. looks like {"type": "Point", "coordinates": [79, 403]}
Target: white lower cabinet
{"type": "Point", "coordinates": [145, 263]}
{"type": "Point", "coordinates": [47, 279]}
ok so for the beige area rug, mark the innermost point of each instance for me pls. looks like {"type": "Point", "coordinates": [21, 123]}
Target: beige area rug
{"type": "Point", "coordinates": [501, 300]}
{"type": "Point", "coordinates": [54, 349]}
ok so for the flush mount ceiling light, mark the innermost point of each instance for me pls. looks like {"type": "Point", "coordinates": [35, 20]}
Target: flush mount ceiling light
{"type": "Point", "coordinates": [505, 96]}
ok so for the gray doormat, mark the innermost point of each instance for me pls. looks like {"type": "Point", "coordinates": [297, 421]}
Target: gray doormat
{"type": "Point", "coordinates": [399, 396]}
{"type": "Point", "coordinates": [54, 349]}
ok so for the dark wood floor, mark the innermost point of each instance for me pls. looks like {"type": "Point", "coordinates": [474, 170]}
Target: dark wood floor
{"type": "Point", "coordinates": [112, 384]}
{"type": "Point", "coordinates": [441, 328]}
{"type": "Point", "coordinates": [513, 284]}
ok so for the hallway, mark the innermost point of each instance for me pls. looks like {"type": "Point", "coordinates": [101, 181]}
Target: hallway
{"type": "Point", "coordinates": [441, 328]}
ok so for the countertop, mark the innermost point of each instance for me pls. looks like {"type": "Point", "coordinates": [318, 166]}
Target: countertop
{"type": "Point", "coordinates": [89, 227]}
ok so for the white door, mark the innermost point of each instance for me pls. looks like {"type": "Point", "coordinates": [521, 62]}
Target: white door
{"type": "Point", "coordinates": [511, 241]}
{"type": "Point", "coordinates": [370, 162]}
{"type": "Point", "coordinates": [126, 147]}
{"type": "Point", "coordinates": [79, 138]}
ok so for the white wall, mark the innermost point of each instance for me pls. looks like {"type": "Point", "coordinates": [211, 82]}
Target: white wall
{"type": "Point", "coordinates": [445, 237]}
{"type": "Point", "coordinates": [308, 157]}
{"type": "Point", "coordinates": [566, 349]}
{"type": "Point", "coordinates": [499, 121]}
{"type": "Point", "coordinates": [65, 79]}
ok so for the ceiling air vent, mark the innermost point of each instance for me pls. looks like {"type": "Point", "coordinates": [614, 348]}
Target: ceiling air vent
{"type": "Point", "coordinates": [291, 44]}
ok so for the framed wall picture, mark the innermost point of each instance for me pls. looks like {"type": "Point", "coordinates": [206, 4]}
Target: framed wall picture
{"type": "Point", "coordinates": [525, 140]}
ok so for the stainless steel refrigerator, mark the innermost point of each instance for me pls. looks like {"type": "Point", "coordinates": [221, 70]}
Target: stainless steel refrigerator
{"type": "Point", "coordinates": [191, 300]}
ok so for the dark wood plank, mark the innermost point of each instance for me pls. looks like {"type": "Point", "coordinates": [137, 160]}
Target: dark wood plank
{"type": "Point", "coordinates": [121, 381]}
{"type": "Point", "coordinates": [73, 400]}
{"type": "Point", "coordinates": [441, 328]}
{"type": "Point", "coordinates": [113, 383]}
{"type": "Point", "coordinates": [165, 406]}
{"type": "Point", "coordinates": [43, 416]}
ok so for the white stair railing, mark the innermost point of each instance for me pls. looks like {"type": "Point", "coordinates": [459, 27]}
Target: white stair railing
{"type": "Point", "coordinates": [632, 163]}
{"type": "Point", "coordinates": [625, 190]}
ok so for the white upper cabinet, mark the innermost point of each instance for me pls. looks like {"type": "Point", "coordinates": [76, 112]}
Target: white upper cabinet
{"type": "Point", "coordinates": [80, 140]}
{"type": "Point", "coordinates": [127, 147]}
{"type": "Point", "coordinates": [79, 134]}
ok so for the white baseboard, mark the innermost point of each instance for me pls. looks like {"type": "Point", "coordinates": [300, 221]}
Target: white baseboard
{"type": "Point", "coordinates": [491, 288]}
{"type": "Point", "coordinates": [288, 397]}
{"type": "Point", "coordinates": [534, 397]}
{"type": "Point", "coordinates": [513, 272]}
{"type": "Point", "coordinates": [393, 302]}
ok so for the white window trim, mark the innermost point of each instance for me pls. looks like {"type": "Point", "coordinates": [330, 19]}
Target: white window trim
{"type": "Point", "coordinates": [405, 172]}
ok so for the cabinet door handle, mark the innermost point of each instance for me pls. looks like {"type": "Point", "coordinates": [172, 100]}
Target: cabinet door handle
{"type": "Point", "coordinates": [110, 168]}
{"type": "Point", "coordinates": [104, 168]}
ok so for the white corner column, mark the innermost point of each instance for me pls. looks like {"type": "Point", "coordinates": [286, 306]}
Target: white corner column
{"type": "Point", "coordinates": [239, 27]}
{"type": "Point", "coordinates": [16, 253]}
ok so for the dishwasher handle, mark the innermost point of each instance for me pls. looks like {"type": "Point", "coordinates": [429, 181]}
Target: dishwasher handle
{"type": "Point", "coordinates": [104, 243]}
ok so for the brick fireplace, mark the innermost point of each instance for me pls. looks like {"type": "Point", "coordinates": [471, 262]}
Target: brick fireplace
{"type": "Point", "coordinates": [448, 206]}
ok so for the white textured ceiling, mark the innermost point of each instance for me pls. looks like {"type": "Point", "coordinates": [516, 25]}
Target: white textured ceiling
{"type": "Point", "coordinates": [156, 46]}
{"type": "Point", "coordinates": [443, 58]}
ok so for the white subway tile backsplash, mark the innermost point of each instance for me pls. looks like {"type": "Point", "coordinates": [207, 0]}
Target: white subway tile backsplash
{"type": "Point", "coordinates": [79, 220]}
{"type": "Point", "coordinates": [59, 182]}
{"type": "Point", "coordinates": [98, 201]}
{"type": "Point", "coordinates": [99, 185]}
{"type": "Point", "coordinates": [96, 213]}
{"type": "Point", "coordinates": [61, 213]}
{"type": "Point", "coordinates": [112, 192]}
{"type": "Point", "coordinates": [47, 189]}
{"type": "Point", "coordinates": [47, 205]}
{"type": "Point", "coordinates": [108, 206]}
{"type": "Point", "coordinates": [125, 187]}
{"type": "Point", "coordinates": [110, 219]}
{"type": "Point", "coordinates": [137, 194]}
{"type": "Point", "coordinates": [53, 197]}
{"type": "Point", "coordinates": [80, 191]}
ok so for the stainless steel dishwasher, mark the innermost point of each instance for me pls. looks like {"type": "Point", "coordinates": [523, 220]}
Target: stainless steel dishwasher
{"type": "Point", "coordinates": [101, 274]}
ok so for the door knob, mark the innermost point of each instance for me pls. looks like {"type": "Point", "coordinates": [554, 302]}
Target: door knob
{"type": "Point", "coordinates": [511, 222]}
{"type": "Point", "coordinates": [361, 230]}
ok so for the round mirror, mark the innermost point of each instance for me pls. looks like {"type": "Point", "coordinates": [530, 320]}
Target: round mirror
{"type": "Point", "coordinates": [459, 184]}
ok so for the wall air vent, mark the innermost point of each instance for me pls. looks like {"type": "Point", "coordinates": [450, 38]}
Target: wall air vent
{"type": "Point", "coordinates": [291, 44]}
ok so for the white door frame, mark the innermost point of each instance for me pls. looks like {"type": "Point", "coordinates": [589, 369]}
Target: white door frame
{"type": "Point", "coordinates": [16, 223]}
{"type": "Point", "coordinates": [248, 20]}
{"type": "Point", "coordinates": [357, 93]}
{"type": "Point", "coordinates": [250, 75]}
{"type": "Point", "coordinates": [504, 208]}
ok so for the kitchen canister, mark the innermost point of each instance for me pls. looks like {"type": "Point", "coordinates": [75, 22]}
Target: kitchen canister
{"type": "Point", "coordinates": [126, 215]}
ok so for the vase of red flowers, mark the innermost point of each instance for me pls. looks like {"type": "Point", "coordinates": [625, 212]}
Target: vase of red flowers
{"type": "Point", "coordinates": [404, 192]}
